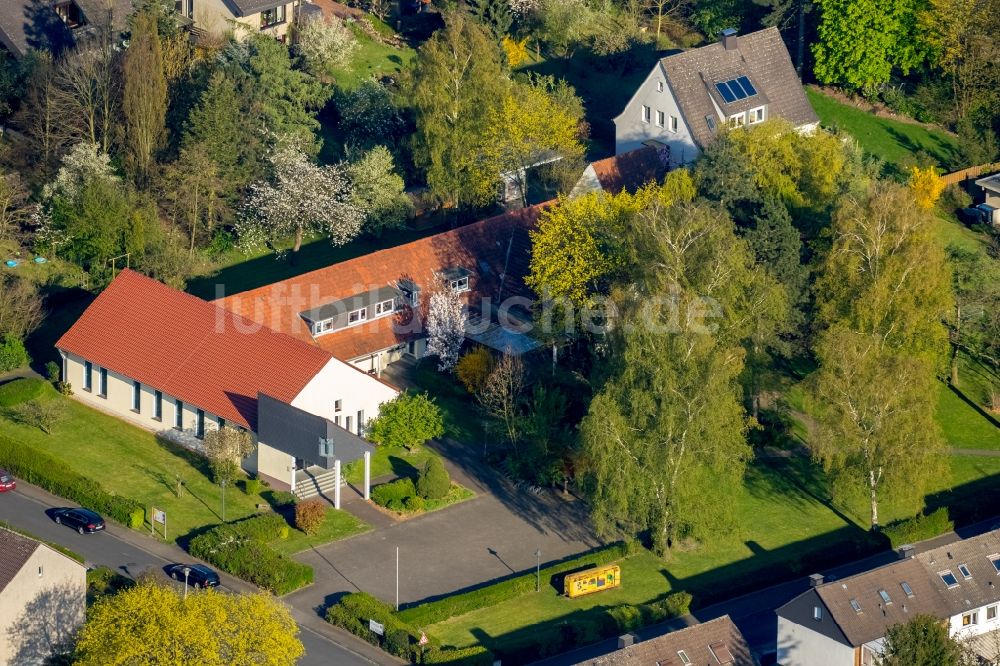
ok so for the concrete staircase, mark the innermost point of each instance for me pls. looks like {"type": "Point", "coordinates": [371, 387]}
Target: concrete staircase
{"type": "Point", "coordinates": [312, 482]}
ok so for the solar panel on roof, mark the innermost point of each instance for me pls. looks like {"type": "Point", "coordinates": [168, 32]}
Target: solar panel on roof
{"type": "Point", "coordinates": [737, 89]}
{"type": "Point", "coordinates": [745, 82]}
{"type": "Point", "coordinates": [726, 93]}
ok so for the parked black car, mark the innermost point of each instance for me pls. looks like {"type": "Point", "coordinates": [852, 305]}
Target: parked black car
{"type": "Point", "coordinates": [198, 574]}
{"type": "Point", "coordinates": [82, 520]}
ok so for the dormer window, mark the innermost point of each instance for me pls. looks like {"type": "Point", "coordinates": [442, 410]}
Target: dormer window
{"type": "Point", "coordinates": [756, 115]}
{"type": "Point", "coordinates": [410, 291]}
{"type": "Point", "coordinates": [737, 121]}
{"type": "Point", "coordinates": [385, 307]}
{"type": "Point", "coordinates": [69, 13]}
{"type": "Point", "coordinates": [357, 316]}
{"type": "Point", "coordinates": [321, 327]}
{"type": "Point", "coordinates": [457, 279]}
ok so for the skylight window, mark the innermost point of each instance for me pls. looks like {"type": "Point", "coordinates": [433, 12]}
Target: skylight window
{"type": "Point", "coordinates": [949, 578]}
{"type": "Point", "coordinates": [995, 561]}
{"type": "Point", "coordinates": [855, 605]}
{"type": "Point", "coordinates": [684, 657]}
{"type": "Point", "coordinates": [907, 590]}
{"type": "Point", "coordinates": [964, 569]}
{"type": "Point", "coordinates": [885, 596]}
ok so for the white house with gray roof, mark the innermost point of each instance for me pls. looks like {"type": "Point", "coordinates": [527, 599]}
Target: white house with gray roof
{"type": "Point", "coordinates": [242, 17]}
{"type": "Point", "coordinates": [844, 622]}
{"type": "Point", "coordinates": [740, 80]}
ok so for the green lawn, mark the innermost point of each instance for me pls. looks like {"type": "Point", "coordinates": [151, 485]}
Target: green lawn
{"type": "Point", "coordinates": [389, 460]}
{"type": "Point", "coordinates": [964, 426]}
{"type": "Point", "coordinates": [893, 141]}
{"type": "Point", "coordinates": [131, 462]}
{"type": "Point", "coordinates": [338, 525]}
{"type": "Point", "coordinates": [373, 59]}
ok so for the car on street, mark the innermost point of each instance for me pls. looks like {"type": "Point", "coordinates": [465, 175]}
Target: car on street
{"type": "Point", "coordinates": [83, 521]}
{"type": "Point", "coordinates": [7, 481]}
{"type": "Point", "coordinates": [198, 574]}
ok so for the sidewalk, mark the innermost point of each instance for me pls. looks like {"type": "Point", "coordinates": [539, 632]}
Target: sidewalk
{"type": "Point", "coordinates": [169, 552]}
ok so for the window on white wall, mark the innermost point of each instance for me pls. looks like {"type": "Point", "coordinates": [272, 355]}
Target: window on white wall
{"type": "Point", "coordinates": [659, 86]}
{"type": "Point", "coordinates": [970, 619]}
{"type": "Point", "coordinates": [645, 113]}
{"type": "Point", "coordinates": [659, 118]}
{"type": "Point", "coordinates": [756, 116]}
{"type": "Point", "coordinates": [673, 124]}
{"type": "Point", "coordinates": [991, 613]}
{"type": "Point", "coordinates": [178, 414]}
{"type": "Point", "coordinates": [738, 120]}
{"type": "Point", "coordinates": [136, 397]}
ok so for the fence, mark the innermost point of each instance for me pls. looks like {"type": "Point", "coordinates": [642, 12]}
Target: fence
{"type": "Point", "coordinates": [971, 172]}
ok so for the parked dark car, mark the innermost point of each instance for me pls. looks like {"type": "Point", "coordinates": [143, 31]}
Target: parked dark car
{"type": "Point", "coordinates": [7, 481]}
{"type": "Point", "coordinates": [198, 574]}
{"type": "Point", "coordinates": [82, 520]}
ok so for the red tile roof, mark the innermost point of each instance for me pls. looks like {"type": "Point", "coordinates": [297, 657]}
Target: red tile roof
{"type": "Point", "coordinates": [191, 349]}
{"type": "Point", "coordinates": [629, 171]}
{"type": "Point", "coordinates": [496, 251]}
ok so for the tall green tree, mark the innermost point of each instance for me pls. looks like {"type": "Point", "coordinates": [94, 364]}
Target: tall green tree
{"type": "Point", "coordinates": [494, 15]}
{"type": "Point", "coordinates": [456, 87]}
{"type": "Point", "coordinates": [973, 325]}
{"type": "Point", "coordinates": [669, 422]}
{"type": "Point", "coordinates": [408, 420]}
{"type": "Point", "coordinates": [923, 641]}
{"type": "Point", "coordinates": [860, 41]}
{"type": "Point", "coordinates": [144, 100]}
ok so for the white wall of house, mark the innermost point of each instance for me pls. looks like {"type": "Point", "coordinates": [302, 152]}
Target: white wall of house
{"type": "Point", "coordinates": [376, 362]}
{"type": "Point", "coordinates": [631, 129]}
{"type": "Point", "coordinates": [214, 16]}
{"type": "Point", "coordinates": [357, 391]}
{"type": "Point", "coordinates": [270, 462]}
{"type": "Point", "coordinates": [118, 399]}
{"type": "Point", "coordinates": [49, 596]}
{"type": "Point", "coordinates": [979, 621]}
{"type": "Point", "coordinates": [801, 646]}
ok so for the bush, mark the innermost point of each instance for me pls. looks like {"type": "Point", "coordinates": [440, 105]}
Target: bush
{"type": "Point", "coordinates": [397, 642]}
{"type": "Point", "coordinates": [252, 486]}
{"type": "Point", "coordinates": [414, 504]}
{"type": "Point", "coordinates": [52, 372]}
{"type": "Point", "coordinates": [460, 604]}
{"type": "Point", "coordinates": [625, 618]}
{"type": "Point", "coordinates": [434, 482]}
{"type": "Point", "coordinates": [53, 475]}
{"type": "Point", "coordinates": [674, 605]}
{"type": "Point", "coordinates": [954, 198]}
{"type": "Point", "coordinates": [279, 498]}
{"type": "Point", "coordinates": [137, 518]}
{"type": "Point", "coordinates": [20, 391]}
{"type": "Point", "coordinates": [473, 368]}
{"type": "Point", "coordinates": [476, 655]}
{"type": "Point", "coordinates": [393, 495]}
{"type": "Point", "coordinates": [918, 528]}
{"type": "Point", "coordinates": [309, 515]}
{"type": "Point", "coordinates": [354, 611]}
{"type": "Point", "coordinates": [12, 353]}
{"type": "Point", "coordinates": [242, 549]}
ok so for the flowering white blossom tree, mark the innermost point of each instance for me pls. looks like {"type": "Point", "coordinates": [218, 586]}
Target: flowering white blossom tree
{"type": "Point", "coordinates": [301, 198]}
{"type": "Point", "coordinates": [84, 161]}
{"type": "Point", "coordinates": [446, 318]}
{"type": "Point", "coordinates": [523, 8]}
{"type": "Point", "coordinates": [325, 44]}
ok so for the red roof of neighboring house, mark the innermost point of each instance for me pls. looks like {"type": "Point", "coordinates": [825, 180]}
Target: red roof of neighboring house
{"type": "Point", "coordinates": [191, 349]}
{"type": "Point", "coordinates": [496, 252]}
{"type": "Point", "coordinates": [629, 171]}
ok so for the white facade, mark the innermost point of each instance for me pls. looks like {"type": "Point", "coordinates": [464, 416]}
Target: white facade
{"type": "Point", "coordinates": [376, 362]}
{"type": "Point", "coordinates": [801, 646]}
{"type": "Point", "coordinates": [654, 115]}
{"type": "Point", "coordinates": [216, 17]}
{"type": "Point", "coordinates": [975, 621]}
{"type": "Point", "coordinates": [344, 394]}
{"type": "Point", "coordinates": [41, 607]}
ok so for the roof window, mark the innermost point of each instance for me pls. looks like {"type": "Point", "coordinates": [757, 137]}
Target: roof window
{"type": "Point", "coordinates": [948, 578]}
{"type": "Point", "coordinates": [907, 590]}
{"type": "Point", "coordinates": [855, 605]}
{"type": "Point", "coordinates": [964, 570]}
{"type": "Point", "coordinates": [684, 658]}
{"type": "Point", "coordinates": [721, 653]}
{"type": "Point", "coordinates": [885, 596]}
{"type": "Point", "coordinates": [995, 561]}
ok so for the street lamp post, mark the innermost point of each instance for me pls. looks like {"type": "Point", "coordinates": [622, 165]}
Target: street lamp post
{"type": "Point", "coordinates": [538, 569]}
{"type": "Point", "coordinates": [187, 572]}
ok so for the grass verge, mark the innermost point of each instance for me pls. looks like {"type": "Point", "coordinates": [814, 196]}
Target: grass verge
{"type": "Point", "coordinates": [337, 525]}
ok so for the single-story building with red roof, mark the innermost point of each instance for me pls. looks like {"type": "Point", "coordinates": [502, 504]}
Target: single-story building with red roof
{"type": "Point", "coordinates": [173, 363]}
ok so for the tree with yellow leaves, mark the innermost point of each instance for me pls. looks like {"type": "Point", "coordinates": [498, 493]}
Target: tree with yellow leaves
{"type": "Point", "coordinates": [926, 186]}
{"type": "Point", "coordinates": [154, 624]}
{"type": "Point", "coordinates": [516, 50]}
{"type": "Point", "coordinates": [536, 122]}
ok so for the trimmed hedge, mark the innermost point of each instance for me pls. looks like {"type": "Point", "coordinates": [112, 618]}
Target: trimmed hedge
{"type": "Point", "coordinates": [476, 655]}
{"type": "Point", "coordinates": [58, 478]}
{"type": "Point", "coordinates": [460, 604]}
{"type": "Point", "coordinates": [393, 495]}
{"type": "Point", "coordinates": [242, 549]}
{"type": "Point", "coordinates": [920, 527]}
{"type": "Point", "coordinates": [21, 390]}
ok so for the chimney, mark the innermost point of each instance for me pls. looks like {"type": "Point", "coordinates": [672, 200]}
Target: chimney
{"type": "Point", "coordinates": [626, 640]}
{"type": "Point", "coordinates": [728, 39]}
{"type": "Point", "coordinates": [815, 580]}
{"type": "Point", "coordinates": [905, 551]}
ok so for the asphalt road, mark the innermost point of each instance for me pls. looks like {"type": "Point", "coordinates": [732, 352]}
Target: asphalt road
{"type": "Point", "coordinates": [108, 549]}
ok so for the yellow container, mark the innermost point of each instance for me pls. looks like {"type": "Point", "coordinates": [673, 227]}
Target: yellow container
{"type": "Point", "coordinates": [592, 580]}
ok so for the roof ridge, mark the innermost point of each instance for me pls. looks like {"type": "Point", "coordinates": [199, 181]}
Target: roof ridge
{"type": "Point", "coordinates": [395, 248]}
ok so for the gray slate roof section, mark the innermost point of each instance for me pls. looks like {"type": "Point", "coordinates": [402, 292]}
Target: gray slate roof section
{"type": "Point", "coordinates": [33, 24]}
{"type": "Point", "coordinates": [297, 433]}
{"type": "Point", "coordinates": [717, 641]}
{"type": "Point", "coordinates": [761, 56]}
{"type": "Point", "coordinates": [242, 8]}
{"type": "Point", "coordinates": [15, 551]}
{"type": "Point", "coordinates": [339, 309]}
